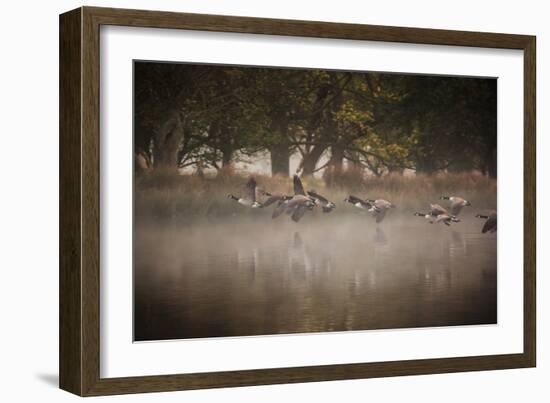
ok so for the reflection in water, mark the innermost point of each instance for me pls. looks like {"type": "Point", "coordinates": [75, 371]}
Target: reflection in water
{"type": "Point", "coordinates": [380, 237]}
{"type": "Point", "coordinates": [237, 279]}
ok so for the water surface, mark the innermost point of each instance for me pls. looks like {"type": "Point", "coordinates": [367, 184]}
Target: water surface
{"type": "Point", "coordinates": [325, 273]}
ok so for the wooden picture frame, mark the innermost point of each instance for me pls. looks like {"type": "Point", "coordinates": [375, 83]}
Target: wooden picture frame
{"type": "Point", "coordinates": [80, 200]}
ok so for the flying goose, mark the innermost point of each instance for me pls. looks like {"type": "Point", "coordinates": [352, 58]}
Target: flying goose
{"type": "Point", "coordinates": [435, 210]}
{"type": "Point", "coordinates": [357, 202]}
{"type": "Point", "coordinates": [457, 203]}
{"type": "Point", "coordinates": [297, 205]}
{"type": "Point", "coordinates": [249, 197]}
{"type": "Point", "coordinates": [438, 214]}
{"type": "Point", "coordinates": [275, 197]}
{"type": "Point", "coordinates": [491, 223]}
{"type": "Point", "coordinates": [321, 201]}
{"type": "Point", "coordinates": [446, 219]}
{"type": "Point", "coordinates": [315, 197]}
{"type": "Point", "coordinates": [377, 208]}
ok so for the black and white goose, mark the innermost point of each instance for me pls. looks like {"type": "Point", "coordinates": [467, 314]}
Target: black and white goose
{"type": "Point", "coordinates": [438, 214]}
{"type": "Point", "coordinates": [275, 197]}
{"type": "Point", "coordinates": [435, 210]}
{"type": "Point", "coordinates": [491, 223]}
{"type": "Point", "coordinates": [456, 204]}
{"type": "Point", "coordinates": [297, 205]}
{"type": "Point", "coordinates": [358, 202]}
{"type": "Point", "coordinates": [248, 199]}
{"type": "Point", "coordinates": [377, 208]}
{"type": "Point", "coordinates": [321, 201]}
{"type": "Point", "coordinates": [446, 219]}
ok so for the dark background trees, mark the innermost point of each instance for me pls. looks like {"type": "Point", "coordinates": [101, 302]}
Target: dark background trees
{"type": "Point", "coordinates": [207, 116]}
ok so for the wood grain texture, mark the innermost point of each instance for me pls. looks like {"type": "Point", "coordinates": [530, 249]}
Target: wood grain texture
{"type": "Point", "coordinates": [80, 201]}
{"type": "Point", "coordinates": [530, 196]}
{"type": "Point", "coordinates": [316, 29]}
{"type": "Point", "coordinates": [70, 309]}
{"type": "Point", "coordinates": [90, 202]}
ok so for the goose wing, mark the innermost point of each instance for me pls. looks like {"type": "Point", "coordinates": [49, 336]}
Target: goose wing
{"type": "Point", "coordinates": [298, 187]}
{"type": "Point", "coordinates": [436, 210]}
{"type": "Point", "coordinates": [490, 224]}
{"type": "Point", "coordinates": [250, 190]}
{"type": "Point", "coordinates": [382, 204]}
{"type": "Point", "coordinates": [317, 196]}
{"type": "Point", "coordinates": [281, 207]}
{"type": "Point", "coordinates": [380, 215]}
{"type": "Point", "coordinates": [272, 199]}
{"type": "Point", "coordinates": [458, 200]}
{"type": "Point", "coordinates": [444, 218]}
{"type": "Point", "coordinates": [354, 200]}
{"type": "Point", "coordinates": [297, 201]}
{"type": "Point", "coordinates": [456, 207]}
{"type": "Point", "coordinates": [298, 213]}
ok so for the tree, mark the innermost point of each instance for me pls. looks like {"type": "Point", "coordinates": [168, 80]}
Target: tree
{"type": "Point", "coordinates": [212, 116]}
{"type": "Point", "coordinates": [163, 113]}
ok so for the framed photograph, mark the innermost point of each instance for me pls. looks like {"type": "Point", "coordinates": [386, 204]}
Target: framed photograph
{"type": "Point", "coordinates": [249, 201]}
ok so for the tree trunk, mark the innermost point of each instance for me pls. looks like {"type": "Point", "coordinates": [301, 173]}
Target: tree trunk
{"type": "Point", "coordinates": [310, 160]}
{"type": "Point", "coordinates": [337, 158]}
{"type": "Point", "coordinates": [280, 160]}
{"type": "Point", "coordinates": [167, 140]}
{"type": "Point", "coordinates": [227, 154]}
{"type": "Point", "coordinates": [335, 165]}
{"type": "Point", "coordinates": [279, 149]}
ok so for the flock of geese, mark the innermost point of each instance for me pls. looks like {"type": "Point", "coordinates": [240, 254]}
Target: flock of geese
{"type": "Point", "coordinates": [302, 201]}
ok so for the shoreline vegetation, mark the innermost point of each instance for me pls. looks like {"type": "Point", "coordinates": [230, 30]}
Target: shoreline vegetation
{"type": "Point", "coordinates": [185, 199]}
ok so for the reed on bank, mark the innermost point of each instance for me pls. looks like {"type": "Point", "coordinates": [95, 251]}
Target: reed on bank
{"type": "Point", "coordinates": [167, 196]}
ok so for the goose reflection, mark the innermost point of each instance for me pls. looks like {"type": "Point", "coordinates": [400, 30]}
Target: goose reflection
{"type": "Point", "coordinates": [302, 256]}
{"type": "Point", "coordinates": [249, 261]}
{"type": "Point", "coordinates": [381, 246]}
{"type": "Point", "coordinates": [380, 237]}
{"type": "Point", "coordinates": [298, 255]}
{"type": "Point", "coordinates": [297, 241]}
{"type": "Point", "coordinates": [457, 245]}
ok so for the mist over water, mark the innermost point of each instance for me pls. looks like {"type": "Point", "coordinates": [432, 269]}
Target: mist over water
{"type": "Point", "coordinates": [244, 276]}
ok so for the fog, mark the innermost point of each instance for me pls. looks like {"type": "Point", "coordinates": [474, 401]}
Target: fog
{"type": "Point", "coordinates": [243, 276]}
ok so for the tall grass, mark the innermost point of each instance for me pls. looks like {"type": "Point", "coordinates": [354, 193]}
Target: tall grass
{"type": "Point", "coordinates": [166, 196]}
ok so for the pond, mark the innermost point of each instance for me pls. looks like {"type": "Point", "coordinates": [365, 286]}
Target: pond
{"type": "Point", "coordinates": [325, 273]}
